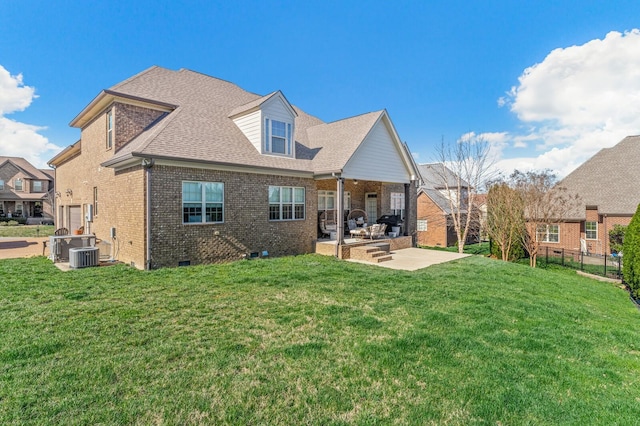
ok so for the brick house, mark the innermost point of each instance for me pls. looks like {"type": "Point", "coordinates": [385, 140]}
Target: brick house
{"type": "Point", "coordinates": [25, 189]}
{"type": "Point", "coordinates": [434, 215]}
{"type": "Point", "coordinates": [177, 167]}
{"type": "Point", "coordinates": [608, 186]}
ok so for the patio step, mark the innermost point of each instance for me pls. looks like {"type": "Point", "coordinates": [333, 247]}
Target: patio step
{"type": "Point", "coordinates": [376, 253]}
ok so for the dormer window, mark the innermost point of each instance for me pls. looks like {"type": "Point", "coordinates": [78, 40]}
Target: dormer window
{"type": "Point", "coordinates": [277, 137]}
{"type": "Point", "coordinates": [17, 185]}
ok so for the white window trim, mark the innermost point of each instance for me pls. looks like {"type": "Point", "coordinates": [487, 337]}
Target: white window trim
{"type": "Point", "coordinates": [422, 225]}
{"type": "Point", "coordinates": [289, 143]}
{"type": "Point", "coordinates": [585, 230]}
{"type": "Point", "coordinates": [203, 203]}
{"type": "Point", "coordinates": [15, 185]}
{"type": "Point", "coordinates": [397, 204]}
{"type": "Point", "coordinates": [547, 233]}
{"type": "Point", "coordinates": [332, 195]}
{"type": "Point", "coordinates": [109, 129]}
{"type": "Point", "coordinates": [292, 203]}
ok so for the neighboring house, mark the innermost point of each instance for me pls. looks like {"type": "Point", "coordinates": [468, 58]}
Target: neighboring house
{"type": "Point", "coordinates": [608, 185]}
{"type": "Point", "coordinates": [24, 189]}
{"type": "Point", "coordinates": [177, 167]}
{"type": "Point", "coordinates": [434, 215]}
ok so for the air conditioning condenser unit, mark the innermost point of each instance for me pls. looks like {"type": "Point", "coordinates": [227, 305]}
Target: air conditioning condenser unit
{"type": "Point", "coordinates": [83, 257]}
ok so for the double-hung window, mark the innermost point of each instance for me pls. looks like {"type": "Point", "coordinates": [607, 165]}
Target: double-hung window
{"type": "Point", "coordinates": [422, 225]}
{"type": "Point", "coordinates": [36, 186]}
{"type": "Point", "coordinates": [1, 185]}
{"type": "Point", "coordinates": [548, 233]}
{"type": "Point", "coordinates": [397, 204]}
{"type": "Point", "coordinates": [17, 185]}
{"type": "Point", "coordinates": [277, 138]}
{"type": "Point", "coordinates": [591, 230]}
{"type": "Point", "coordinates": [202, 202]}
{"type": "Point", "coordinates": [286, 203]}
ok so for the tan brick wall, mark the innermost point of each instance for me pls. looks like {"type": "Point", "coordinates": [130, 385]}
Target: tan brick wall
{"type": "Point", "coordinates": [246, 226]}
{"type": "Point", "coordinates": [120, 195]}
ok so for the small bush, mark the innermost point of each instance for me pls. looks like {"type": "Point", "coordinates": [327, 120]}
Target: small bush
{"type": "Point", "coordinates": [517, 251]}
{"type": "Point", "coordinates": [13, 223]}
{"type": "Point", "coordinates": [631, 259]}
{"type": "Point", "coordinates": [3, 223]}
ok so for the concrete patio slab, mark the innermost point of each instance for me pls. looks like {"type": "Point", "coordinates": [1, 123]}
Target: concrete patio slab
{"type": "Point", "coordinates": [16, 247]}
{"type": "Point", "coordinates": [412, 259]}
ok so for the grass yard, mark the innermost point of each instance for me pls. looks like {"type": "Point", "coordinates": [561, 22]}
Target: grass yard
{"type": "Point", "coordinates": [314, 340]}
{"type": "Point", "coordinates": [27, 231]}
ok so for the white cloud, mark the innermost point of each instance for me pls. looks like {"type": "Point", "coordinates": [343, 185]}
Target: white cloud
{"type": "Point", "coordinates": [19, 139]}
{"type": "Point", "coordinates": [578, 100]}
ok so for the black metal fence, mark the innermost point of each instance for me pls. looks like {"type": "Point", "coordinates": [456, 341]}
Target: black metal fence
{"type": "Point", "coordinates": [606, 266]}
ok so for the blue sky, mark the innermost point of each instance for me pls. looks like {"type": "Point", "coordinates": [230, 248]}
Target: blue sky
{"type": "Point", "coordinates": [548, 83]}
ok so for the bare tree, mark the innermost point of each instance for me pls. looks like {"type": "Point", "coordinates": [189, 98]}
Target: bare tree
{"type": "Point", "coordinates": [466, 166]}
{"type": "Point", "coordinates": [505, 217]}
{"type": "Point", "coordinates": [544, 204]}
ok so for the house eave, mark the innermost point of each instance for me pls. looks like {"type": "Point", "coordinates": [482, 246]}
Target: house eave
{"type": "Point", "coordinates": [136, 158]}
{"type": "Point", "coordinates": [107, 97]}
{"type": "Point", "coordinates": [65, 154]}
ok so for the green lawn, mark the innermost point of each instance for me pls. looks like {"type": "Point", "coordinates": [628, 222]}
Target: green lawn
{"type": "Point", "coordinates": [315, 340]}
{"type": "Point", "coordinates": [27, 231]}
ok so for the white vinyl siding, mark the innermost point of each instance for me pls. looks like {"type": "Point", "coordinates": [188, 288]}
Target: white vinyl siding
{"type": "Point", "coordinates": [378, 158]}
{"type": "Point", "coordinates": [250, 125]}
{"type": "Point", "coordinates": [276, 110]}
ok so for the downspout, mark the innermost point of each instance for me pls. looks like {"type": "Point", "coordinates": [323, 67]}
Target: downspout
{"type": "Point", "coordinates": [148, 164]}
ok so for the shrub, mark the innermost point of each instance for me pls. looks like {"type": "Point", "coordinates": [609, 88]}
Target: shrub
{"type": "Point", "coordinates": [631, 255]}
{"type": "Point", "coordinates": [616, 238]}
{"type": "Point", "coordinates": [3, 223]}
{"type": "Point", "coordinates": [517, 251]}
{"type": "Point", "coordinates": [13, 223]}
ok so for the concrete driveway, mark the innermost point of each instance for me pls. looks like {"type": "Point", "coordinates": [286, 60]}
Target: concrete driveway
{"type": "Point", "coordinates": [411, 259]}
{"type": "Point", "coordinates": [12, 248]}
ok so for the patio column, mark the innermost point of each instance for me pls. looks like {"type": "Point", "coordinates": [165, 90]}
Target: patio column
{"type": "Point", "coordinates": [408, 212]}
{"type": "Point", "coordinates": [339, 216]}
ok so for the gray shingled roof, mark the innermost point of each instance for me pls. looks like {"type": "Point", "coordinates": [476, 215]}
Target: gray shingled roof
{"type": "Point", "coordinates": [432, 174]}
{"type": "Point", "coordinates": [200, 129]}
{"type": "Point", "coordinates": [609, 180]}
{"type": "Point", "coordinates": [27, 167]}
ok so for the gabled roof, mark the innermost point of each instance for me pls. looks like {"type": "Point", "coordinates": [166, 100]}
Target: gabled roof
{"type": "Point", "coordinates": [26, 167]}
{"type": "Point", "coordinates": [253, 105]}
{"type": "Point", "coordinates": [437, 197]}
{"type": "Point", "coordinates": [198, 125]}
{"type": "Point", "coordinates": [433, 174]}
{"type": "Point", "coordinates": [609, 180]}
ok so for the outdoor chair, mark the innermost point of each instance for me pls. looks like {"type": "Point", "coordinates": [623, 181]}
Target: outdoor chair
{"type": "Point", "coordinates": [377, 230]}
{"type": "Point", "coordinates": [61, 231]}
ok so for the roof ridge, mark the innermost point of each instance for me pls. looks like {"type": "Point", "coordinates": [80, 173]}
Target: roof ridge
{"type": "Point", "coordinates": [133, 77]}
{"type": "Point", "coordinates": [356, 116]}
